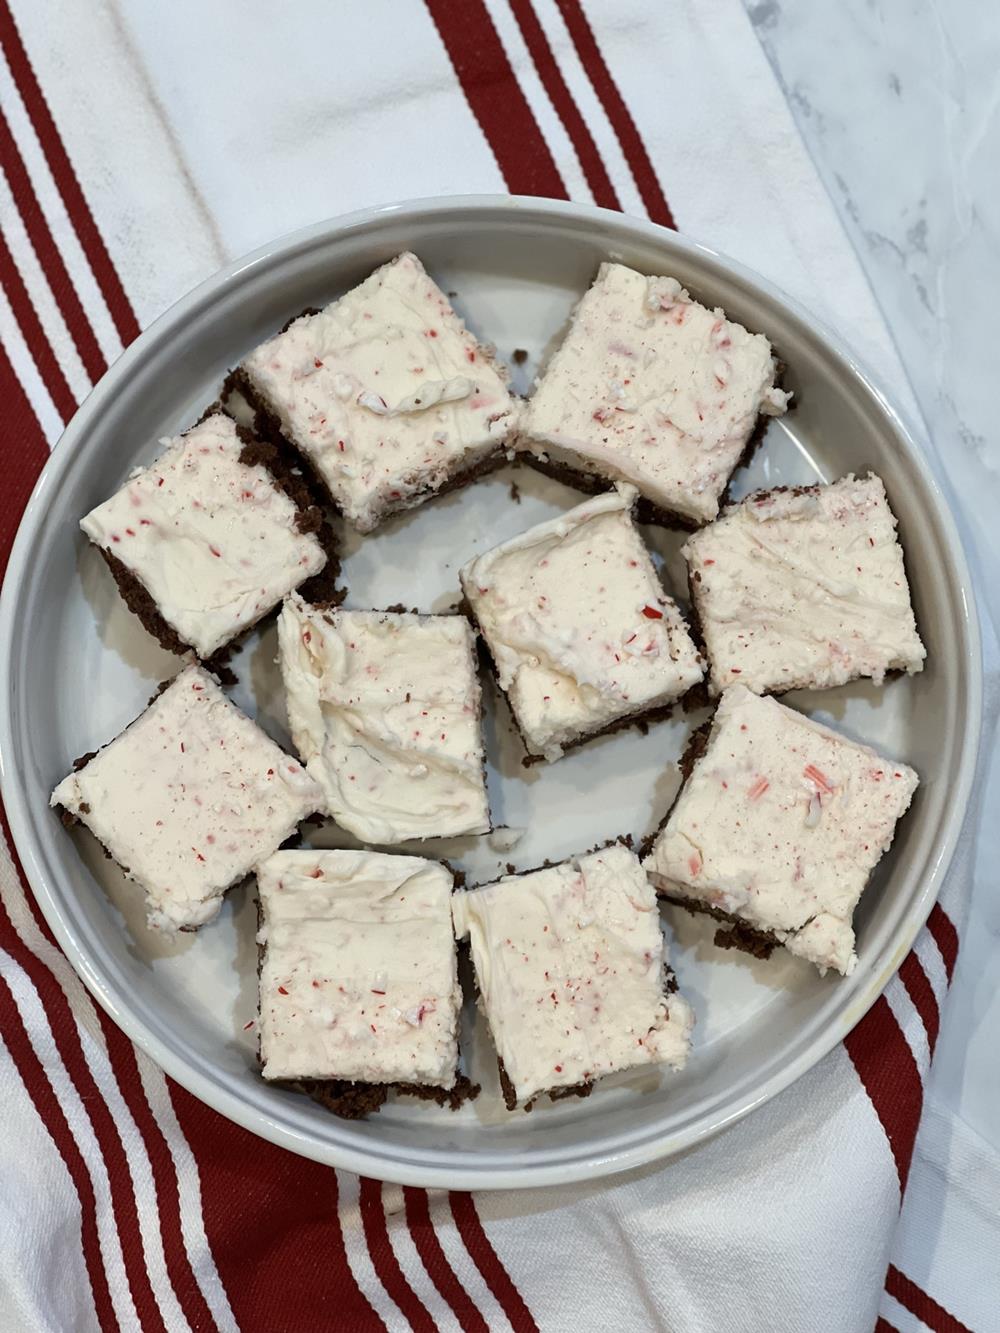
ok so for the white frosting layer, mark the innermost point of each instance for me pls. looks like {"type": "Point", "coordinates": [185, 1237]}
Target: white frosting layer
{"type": "Point", "coordinates": [804, 590]}
{"type": "Point", "coordinates": [781, 823]}
{"type": "Point", "coordinates": [359, 978]}
{"type": "Point", "coordinates": [385, 391]}
{"type": "Point", "coordinates": [579, 626]}
{"type": "Point", "coordinates": [188, 798]}
{"type": "Point", "coordinates": [214, 542]}
{"type": "Point", "coordinates": [384, 709]}
{"type": "Point", "coordinates": [652, 388]}
{"type": "Point", "coordinates": [570, 967]}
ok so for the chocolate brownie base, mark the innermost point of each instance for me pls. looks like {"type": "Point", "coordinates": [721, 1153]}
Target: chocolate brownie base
{"type": "Point", "coordinates": [354, 1101]}
{"type": "Point", "coordinates": [267, 424]}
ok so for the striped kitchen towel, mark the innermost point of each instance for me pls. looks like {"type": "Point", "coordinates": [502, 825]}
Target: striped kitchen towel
{"type": "Point", "coordinates": [145, 145]}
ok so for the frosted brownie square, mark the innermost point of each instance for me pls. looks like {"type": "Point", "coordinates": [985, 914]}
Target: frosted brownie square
{"type": "Point", "coordinates": [572, 973]}
{"type": "Point", "coordinates": [804, 588]}
{"type": "Point", "coordinates": [386, 393]}
{"type": "Point", "coordinates": [358, 979]}
{"type": "Point", "coordinates": [188, 799]}
{"type": "Point", "coordinates": [204, 542]}
{"type": "Point", "coordinates": [652, 388]}
{"type": "Point", "coordinates": [582, 634]}
{"type": "Point", "coordinates": [384, 709]}
{"type": "Point", "coordinates": [779, 826]}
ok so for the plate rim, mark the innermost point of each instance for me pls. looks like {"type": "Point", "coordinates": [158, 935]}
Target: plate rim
{"type": "Point", "coordinates": [363, 1160]}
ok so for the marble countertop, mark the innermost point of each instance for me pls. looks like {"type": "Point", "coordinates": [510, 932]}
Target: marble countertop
{"type": "Point", "coordinates": [899, 104]}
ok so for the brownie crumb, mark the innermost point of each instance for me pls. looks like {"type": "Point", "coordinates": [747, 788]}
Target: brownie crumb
{"type": "Point", "coordinates": [519, 356]}
{"type": "Point", "coordinates": [84, 760]}
{"type": "Point", "coordinates": [511, 868]}
{"type": "Point", "coordinates": [515, 492]}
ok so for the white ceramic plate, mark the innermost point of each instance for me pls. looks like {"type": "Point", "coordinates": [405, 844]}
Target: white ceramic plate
{"type": "Point", "coordinates": [75, 667]}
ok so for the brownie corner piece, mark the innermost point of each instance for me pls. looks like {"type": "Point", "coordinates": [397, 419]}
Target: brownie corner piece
{"type": "Point", "coordinates": [385, 709]}
{"type": "Point", "coordinates": [804, 587]}
{"type": "Point", "coordinates": [187, 798]}
{"type": "Point", "coordinates": [582, 634]}
{"type": "Point", "coordinates": [570, 965]}
{"type": "Point", "coordinates": [652, 387]}
{"type": "Point", "coordinates": [205, 541]}
{"type": "Point", "coordinates": [777, 828]}
{"type": "Point", "coordinates": [358, 979]}
{"type": "Point", "coordinates": [412, 405]}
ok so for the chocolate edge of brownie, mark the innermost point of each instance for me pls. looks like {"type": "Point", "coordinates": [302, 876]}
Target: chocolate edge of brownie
{"type": "Point", "coordinates": [697, 744]}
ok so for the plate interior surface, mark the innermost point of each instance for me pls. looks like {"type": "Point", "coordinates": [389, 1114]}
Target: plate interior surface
{"type": "Point", "coordinates": [79, 668]}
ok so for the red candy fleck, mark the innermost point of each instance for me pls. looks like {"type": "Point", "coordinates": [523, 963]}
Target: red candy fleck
{"type": "Point", "coordinates": [316, 874]}
{"type": "Point", "coordinates": [160, 482]}
{"type": "Point", "coordinates": [145, 522]}
{"type": "Point", "coordinates": [694, 863]}
{"type": "Point", "coordinates": [651, 613]}
{"type": "Point", "coordinates": [130, 532]}
{"type": "Point", "coordinates": [708, 562]}
{"type": "Point", "coordinates": [216, 552]}
{"type": "Point", "coordinates": [821, 780]}
{"type": "Point", "coordinates": [282, 991]}
{"type": "Point", "coordinates": [115, 537]}
{"type": "Point", "coordinates": [758, 789]}
{"type": "Point", "coordinates": [317, 363]}
{"type": "Point", "coordinates": [471, 355]}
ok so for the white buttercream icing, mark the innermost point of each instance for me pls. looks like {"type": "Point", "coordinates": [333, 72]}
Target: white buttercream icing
{"type": "Point", "coordinates": [385, 711]}
{"type": "Point", "coordinates": [781, 823]}
{"type": "Point", "coordinates": [359, 977]}
{"type": "Point", "coordinates": [385, 392]}
{"type": "Point", "coordinates": [652, 388]}
{"type": "Point", "coordinates": [213, 540]}
{"type": "Point", "coordinates": [804, 589]}
{"type": "Point", "coordinates": [570, 967]}
{"type": "Point", "coordinates": [579, 626]}
{"type": "Point", "coordinates": [188, 798]}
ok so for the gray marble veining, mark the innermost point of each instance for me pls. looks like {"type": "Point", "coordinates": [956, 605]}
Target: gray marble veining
{"type": "Point", "coordinates": [899, 104]}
